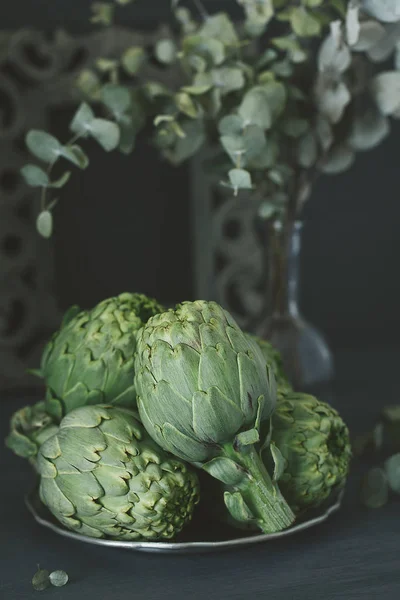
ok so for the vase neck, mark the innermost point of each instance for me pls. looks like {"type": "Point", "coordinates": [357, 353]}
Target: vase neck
{"type": "Point", "coordinates": [284, 266]}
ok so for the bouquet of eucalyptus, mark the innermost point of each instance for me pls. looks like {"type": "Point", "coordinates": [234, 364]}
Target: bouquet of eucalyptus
{"type": "Point", "coordinates": [289, 91]}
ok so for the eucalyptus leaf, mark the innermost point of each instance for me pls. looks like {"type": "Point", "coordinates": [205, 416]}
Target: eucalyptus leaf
{"type": "Point", "coordinates": [332, 97]}
{"type": "Point", "coordinates": [266, 210]}
{"type": "Point", "coordinates": [61, 181]}
{"type": "Point", "coordinates": [117, 98]}
{"type": "Point", "coordinates": [228, 79]}
{"type": "Point", "coordinates": [103, 13]}
{"type": "Point", "coordinates": [392, 469]}
{"type": "Point", "coordinates": [231, 125]}
{"type": "Point", "coordinates": [133, 59]}
{"type": "Point", "coordinates": [246, 147]}
{"type": "Point", "coordinates": [240, 179]}
{"type": "Point", "coordinates": [375, 488]}
{"type": "Point", "coordinates": [353, 25]}
{"type": "Point", "coordinates": [128, 132]}
{"type": "Point", "coordinates": [220, 27]}
{"type": "Point", "coordinates": [76, 155]}
{"type": "Point", "coordinates": [34, 176]}
{"type": "Point", "coordinates": [107, 65]}
{"type": "Point", "coordinates": [186, 105]}
{"type": "Point", "coordinates": [197, 90]}
{"type": "Point", "coordinates": [324, 132]}
{"type": "Point", "coordinates": [106, 133]}
{"type": "Point", "coordinates": [166, 51]}
{"type": "Point", "coordinates": [283, 68]}
{"type": "Point", "coordinates": [43, 145]}
{"type": "Point", "coordinates": [44, 224]}
{"type": "Point", "coordinates": [82, 120]}
{"type": "Point", "coordinates": [303, 22]}
{"type": "Point", "coordinates": [334, 55]}
{"type": "Point", "coordinates": [384, 10]}
{"type": "Point", "coordinates": [58, 578]}
{"type": "Point", "coordinates": [385, 89]}
{"type": "Point", "coordinates": [339, 159]}
{"type": "Point", "coordinates": [40, 580]}
{"type": "Point", "coordinates": [307, 150]}
{"type": "Point", "coordinates": [212, 50]}
{"type": "Point", "coordinates": [89, 84]}
{"type": "Point", "coordinates": [187, 146]}
{"type": "Point", "coordinates": [369, 130]}
{"type": "Point", "coordinates": [371, 32]}
{"type": "Point", "coordinates": [386, 45]}
{"type": "Point", "coordinates": [262, 104]}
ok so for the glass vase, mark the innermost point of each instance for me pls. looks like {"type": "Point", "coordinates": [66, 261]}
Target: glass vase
{"type": "Point", "coordinates": [307, 359]}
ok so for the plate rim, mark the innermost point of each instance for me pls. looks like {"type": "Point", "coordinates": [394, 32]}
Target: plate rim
{"type": "Point", "coordinates": [182, 546]}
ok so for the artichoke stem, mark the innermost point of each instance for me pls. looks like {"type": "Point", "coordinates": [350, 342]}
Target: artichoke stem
{"type": "Point", "coordinates": [260, 493]}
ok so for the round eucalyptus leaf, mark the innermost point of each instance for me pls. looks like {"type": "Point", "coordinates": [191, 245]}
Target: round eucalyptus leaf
{"type": "Point", "coordinates": [58, 578]}
{"type": "Point", "coordinates": [339, 159]}
{"type": "Point", "coordinates": [371, 32]}
{"type": "Point", "coordinates": [117, 98]}
{"type": "Point", "coordinates": [34, 176]}
{"type": "Point", "coordinates": [220, 27]}
{"type": "Point", "coordinates": [231, 125]}
{"type": "Point", "coordinates": [324, 132]}
{"type": "Point", "coordinates": [44, 225]}
{"type": "Point", "coordinates": [76, 155]}
{"type": "Point", "coordinates": [332, 97]}
{"type": "Point", "coordinates": [386, 45]}
{"type": "Point", "coordinates": [40, 580]}
{"type": "Point", "coordinates": [255, 110]}
{"type": "Point", "coordinates": [106, 133]}
{"type": "Point", "coordinates": [334, 55]}
{"type": "Point", "coordinates": [303, 22]}
{"type": "Point", "coordinates": [385, 89]}
{"type": "Point", "coordinates": [186, 105]}
{"type": "Point", "coordinates": [132, 59]}
{"type": "Point", "coordinates": [89, 84]}
{"type": "Point", "coordinates": [43, 145]}
{"type": "Point", "coordinates": [375, 489]}
{"type": "Point", "coordinates": [166, 51]}
{"type": "Point", "coordinates": [369, 130]}
{"type": "Point", "coordinates": [82, 120]}
{"type": "Point", "coordinates": [392, 469]}
{"type": "Point", "coordinates": [228, 79]}
{"type": "Point", "coordinates": [240, 179]}
{"type": "Point", "coordinates": [266, 210]}
{"type": "Point", "coordinates": [307, 150]}
{"type": "Point", "coordinates": [387, 11]}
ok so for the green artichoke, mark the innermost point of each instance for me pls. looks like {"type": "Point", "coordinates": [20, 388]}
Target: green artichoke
{"type": "Point", "coordinates": [30, 427]}
{"type": "Point", "coordinates": [103, 476]}
{"type": "Point", "coordinates": [203, 390]}
{"type": "Point", "coordinates": [274, 359]}
{"type": "Point", "coordinates": [315, 443]}
{"type": "Point", "coordinates": [90, 360]}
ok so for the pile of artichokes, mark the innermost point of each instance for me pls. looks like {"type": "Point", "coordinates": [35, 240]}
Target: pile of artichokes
{"type": "Point", "coordinates": [139, 398]}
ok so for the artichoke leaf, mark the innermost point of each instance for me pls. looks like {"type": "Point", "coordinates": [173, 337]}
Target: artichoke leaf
{"type": "Point", "coordinates": [238, 507]}
{"type": "Point", "coordinates": [225, 470]}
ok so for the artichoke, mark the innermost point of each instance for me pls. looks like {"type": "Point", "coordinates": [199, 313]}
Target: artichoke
{"type": "Point", "coordinates": [203, 389]}
{"type": "Point", "coordinates": [274, 359]}
{"type": "Point", "coordinates": [90, 360]}
{"type": "Point", "coordinates": [103, 476]}
{"type": "Point", "coordinates": [315, 443]}
{"type": "Point", "coordinates": [30, 427]}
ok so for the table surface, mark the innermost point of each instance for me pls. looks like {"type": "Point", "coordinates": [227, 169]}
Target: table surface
{"type": "Point", "coordinates": [356, 554]}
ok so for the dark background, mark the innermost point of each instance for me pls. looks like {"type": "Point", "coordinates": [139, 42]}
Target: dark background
{"type": "Point", "coordinates": [125, 223]}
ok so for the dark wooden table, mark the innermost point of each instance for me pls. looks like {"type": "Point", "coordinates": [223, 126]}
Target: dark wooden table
{"type": "Point", "coordinates": [355, 555]}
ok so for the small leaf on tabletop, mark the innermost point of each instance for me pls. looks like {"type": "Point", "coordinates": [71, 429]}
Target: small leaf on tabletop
{"type": "Point", "coordinates": [40, 580]}
{"type": "Point", "coordinates": [375, 489]}
{"type": "Point", "coordinates": [35, 176]}
{"type": "Point", "coordinates": [44, 224]}
{"type": "Point", "coordinates": [392, 469]}
{"type": "Point", "coordinates": [58, 578]}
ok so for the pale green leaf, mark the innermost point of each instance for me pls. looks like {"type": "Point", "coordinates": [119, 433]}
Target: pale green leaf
{"type": "Point", "coordinates": [307, 150]}
{"type": "Point", "coordinates": [61, 181]}
{"type": "Point", "coordinates": [106, 133]}
{"type": "Point", "coordinates": [371, 32]}
{"type": "Point", "coordinates": [231, 125]}
{"type": "Point", "coordinates": [220, 27]}
{"type": "Point", "coordinates": [387, 11]}
{"type": "Point", "coordinates": [353, 25]}
{"type": "Point", "coordinates": [82, 120]}
{"type": "Point", "coordinates": [369, 129]}
{"type": "Point", "coordinates": [89, 84]}
{"type": "Point", "coordinates": [266, 210]}
{"type": "Point", "coordinates": [159, 119]}
{"type": "Point", "coordinates": [43, 145]}
{"type": "Point", "coordinates": [44, 224]}
{"type": "Point", "coordinates": [240, 180]}
{"type": "Point", "coordinates": [211, 49]}
{"type": "Point", "coordinates": [117, 99]}
{"type": "Point", "coordinates": [188, 146]}
{"type": "Point", "coordinates": [196, 90]}
{"type": "Point", "coordinates": [40, 580]}
{"type": "Point", "coordinates": [339, 159]}
{"type": "Point", "coordinates": [186, 105]}
{"type": "Point", "coordinates": [103, 13]}
{"type": "Point", "coordinates": [106, 65]}
{"type": "Point", "coordinates": [228, 79]}
{"type": "Point", "coordinates": [304, 23]}
{"type": "Point", "coordinates": [132, 59]}
{"type": "Point", "coordinates": [35, 176]}
{"type": "Point", "coordinates": [58, 578]}
{"type": "Point", "coordinates": [279, 462]}
{"type": "Point", "coordinates": [385, 88]}
{"type": "Point", "coordinates": [76, 155]}
{"type": "Point", "coordinates": [165, 51]}
{"type": "Point", "coordinates": [254, 108]}
{"type": "Point", "coordinates": [375, 489]}
{"type": "Point", "coordinates": [392, 469]}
